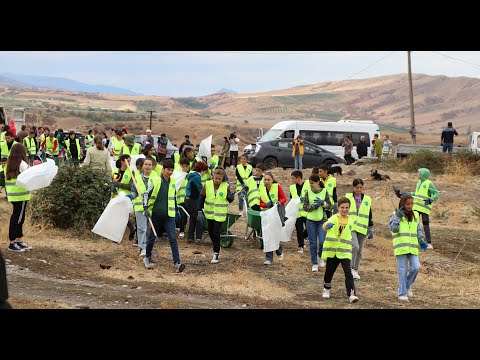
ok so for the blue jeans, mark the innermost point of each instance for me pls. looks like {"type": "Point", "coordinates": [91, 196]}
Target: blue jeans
{"type": "Point", "coordinates": [315, 231]}
{"type": "Point", "coordinates": [269, 255]}
{"type": "Point", "coordinates": [298, 161]}
{"type": "Point", "coordinates": [448, 147]}
{"type": "Point", "coordinates": [405, 278]}
{"type": "Point", "coordinates": [161, 222]}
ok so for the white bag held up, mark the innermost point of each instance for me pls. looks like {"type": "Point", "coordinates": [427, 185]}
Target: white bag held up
{"type": "Point", "coordinates": [179, 176]}
{"type": "Point", "coordinates": [112, 222]}
{"type": "Point", "coordinates": [272, 230]}
{"type": "Point", "coordinates": [204, 150]}
{"type": "Point", "coordinates": [38, 176]}
{"type": "Point", "coordinates": [291, 212]}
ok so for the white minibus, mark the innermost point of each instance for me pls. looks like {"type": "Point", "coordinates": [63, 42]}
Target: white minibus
{"type": "Point", "coordinates": [328, 135]}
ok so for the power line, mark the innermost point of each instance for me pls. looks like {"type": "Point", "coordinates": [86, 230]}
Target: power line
{"type": "Point", "coordinates": [454, 58]}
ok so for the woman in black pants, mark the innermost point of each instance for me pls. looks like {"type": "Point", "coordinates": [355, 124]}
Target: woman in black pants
{"type": "Point", "coordinates": [192, 197]}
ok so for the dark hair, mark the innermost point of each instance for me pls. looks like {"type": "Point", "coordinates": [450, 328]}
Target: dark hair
{"type": "Point", "coordinates": [324, 167]}
{"type": "Point", "coordinates": [316, 178]}
{"type": "Point", "coordinates": [184, 161]}
{"type": "Point", "coordinates": [118, 132]}
{"type": "Point", "coordinates": [449, 123]}
{"type": "Point", "coordinates": [118, 163]}
{"type": "Point", "coordinates": [232, 136]}
{"type": "Point", "coordinates": [261, 166]}
{"type": "Point", "coordinates": [8, 133]}
{"type": "Point", "coordinates": [147, 149]}
{"type": "Point", "coordinates": [99, 142]}
{"type": "Point", "coordinates": [200, 166]}
{"type": "Point", "coordinates": [18, 152]}
{"type": "Point", "coordinates": [297, 174]}
{"type": "Point", "coordinates": [188, 137]}
{"type": "Point", "coordinates": [139, 162]}
{"type": "Point", "coordinates": [168, 164]}
{"type": "Point", "coordinates": [271, 175]}
{"type": "Point", "coordinates": [152, 159]}
{"type": "Point", "coordinates": [343, 200]}
{"type": "Point", "coordinates": [219, 171]}
{"type": "Point", "coordinates": [163, 135]}
{"type": "Point", "coordinates": [357, 181]}
{"type": "Point", "coordinates": [32, 132]}
{"type": "Point", "coordinates": [244, 156]}
{"type": "Point", "coordinates": [402, 202]}
{"type": "Point", "coordinates": [315, 170]}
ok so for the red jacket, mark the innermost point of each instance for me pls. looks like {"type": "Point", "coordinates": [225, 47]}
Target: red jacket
{"type": "Point", "coordinates": [281, 197]}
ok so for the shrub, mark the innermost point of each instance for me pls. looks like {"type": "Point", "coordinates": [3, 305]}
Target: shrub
{"type": "Point", "coordinates": [75, 199]}
{"type": "Point", "coordinates": [434, 161]}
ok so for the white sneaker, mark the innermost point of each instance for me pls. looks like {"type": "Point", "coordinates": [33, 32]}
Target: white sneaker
{"type": "Point", "coordinates": [143, 252]}
{"type": "Point", "coordinates": [300, 249]}
{"type": "Point", "coordinates": [326, 293]}
{"type": "Point", "coordinates": [355, 274]}
{"type": "Point", "coordinates": [315, 267]}
{"type": "Point", "coordinates": [429, 246]}
{"type": "Point", "coordinates": [403, 298]}
{"type": "Point", "coordinates": [181, 235]}
{"type": "Point", "coordinates": [280, 257]}
{"type": "Point", "coordinates": [215, 258]}
{"type": "Point", "coordinates": [240, 213]}
{"type": "Point", "coordinates": [409, 292]}
{"type": "Point", "coordinates": [267, 262]}
{"type": "Point", "coordinates": [322, 263]}
{"type": "Point", "coordinates": [147, 262]}
{"type": "Point", "coordinates": [352, 298]}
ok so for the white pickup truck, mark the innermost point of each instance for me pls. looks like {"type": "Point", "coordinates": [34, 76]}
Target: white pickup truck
{"type": "Point", "coordinates": [18, 116]}
{"type": "Point", "coordinates": [473, 144]}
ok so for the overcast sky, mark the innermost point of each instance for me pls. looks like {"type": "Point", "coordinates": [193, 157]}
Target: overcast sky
{"type": "Point", "coordinates": [190, 73]}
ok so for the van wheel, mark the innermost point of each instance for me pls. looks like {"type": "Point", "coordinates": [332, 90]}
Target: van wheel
{"type": "Point", "coordinates": [270, 163]}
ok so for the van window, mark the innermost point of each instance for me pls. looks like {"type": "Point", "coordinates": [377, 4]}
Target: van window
{"type": "Point", "coordinates": [332, 138]}
{"type": "Point", "coordinates": [308, 149]}
{"type": "Point", "coordinates": [290, 134]}
{"type": "Point", "coordinates": [271, 134]}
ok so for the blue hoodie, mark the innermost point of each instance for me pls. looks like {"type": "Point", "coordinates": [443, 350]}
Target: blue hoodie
{"type": "Point", "coordinates": [194, 185]}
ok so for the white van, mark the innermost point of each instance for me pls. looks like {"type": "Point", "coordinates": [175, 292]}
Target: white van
{"type": "Point", "coordinates": [328, 135]}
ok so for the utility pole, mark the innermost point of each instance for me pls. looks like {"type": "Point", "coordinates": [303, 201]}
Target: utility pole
{"type": "Point", "coordinates": [151, 111]}
{"type": "Point", "coordinates": [412, 114]}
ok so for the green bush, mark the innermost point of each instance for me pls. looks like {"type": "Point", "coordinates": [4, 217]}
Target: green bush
{"type": "Point", "coordinates": [74, 200]}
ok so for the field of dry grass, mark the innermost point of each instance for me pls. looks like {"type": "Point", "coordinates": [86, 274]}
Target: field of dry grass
{"type": "Point", "coordinates": [64, 271]}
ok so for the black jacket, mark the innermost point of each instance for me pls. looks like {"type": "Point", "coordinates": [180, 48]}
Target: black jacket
{"type": "Point", "coordinates": [362, 149]}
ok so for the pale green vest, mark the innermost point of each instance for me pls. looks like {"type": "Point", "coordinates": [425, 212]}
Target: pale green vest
{"type": "Point", "coordinates": [293, 192]}
{"type": "Point", "coordinates": [138, 201]}
{"type": "Point", "coordinates": [405, 241]}
{"type": "Point", "coordinates": [360, 219]}
{"type": "Point", "coordinates": [205, 177]}
{"type": "Point", "coordinates": [14, 192]}
{"type": "Point", "coordinates": [181, 192]}
{"type": "Point", "coordinates": [244, 173]}
{"type": "Point", "coordinates": [216, 204]}
{"type": "Point", "coordinates": [5, 150]}
{"type": "Point", "coordinates": [316, 215]}
{"type": "Point", "coordinates": [49, 144]}
{"type": "Point", "coordinates": [117, 146]}
{"type": "Point", "coordinates": [253, 195]}
{"type": "Point", "coordinates": [333, 246]}
{"type": "Point", "coordinates": [421, 192]}
{"type": "Point", "coordinates": [214, 161]}
{"type": "Point", "coordinates": [126, 178]}
{"type": "Point", "coordinates": [135, 149]}
{"type": "Point", "coordinates": [273, 194]}
{"type": "Point", "coordinates": [176, 161]}
{"type": "Point", "coordinates": [67, 143]}
{"type": "Point", "coordinates": [88, 141]}
{"type": "Point", "coordinates": [171, 195]}
{"type": "Point", "coordinates": [30, 145]}
{"type": "Point", "coordinates": [330, 183]}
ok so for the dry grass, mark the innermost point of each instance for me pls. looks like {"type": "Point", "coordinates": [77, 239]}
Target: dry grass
{"type": "Point", "coordinates": [458, 172]}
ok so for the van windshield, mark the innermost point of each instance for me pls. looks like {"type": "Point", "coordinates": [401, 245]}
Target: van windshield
{"type": "Point", "coordinates": [271, 134]}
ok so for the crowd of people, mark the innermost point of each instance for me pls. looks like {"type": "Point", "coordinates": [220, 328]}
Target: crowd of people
{"type": "Point", "coordinates": [335, 227]}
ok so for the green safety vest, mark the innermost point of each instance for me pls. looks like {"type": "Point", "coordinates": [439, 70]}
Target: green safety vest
{"type": "Point", "coordinates": [31, 145]}
{"type": "Point", "coordinates": [333, 246]}
{"type": "Point", "coordinates": [273, 194]}
{"type": "Point", "coordinates": [405, 241]}
{"type": "Point", "coordinates": [181, 192]}
{"type": "Point", "coordinates": [138, 201]}
{"type": "Point", "coordinates": [117, 146]}
{"type": "Point", "coordinates": [214, 161]}
{"type": "Point", "coordinates": [171, 195]}
{"type": "Point", "coordinates": [67, 143]}
{"type": "Point", "coordinates": [293, 192]}
{"type": "Point", "coordinates": [15, 192]}
{"type": "Point", "coordinates": [176, 161]}
{"type": "Point", "coordinates": [135, 149]}
{"type": "Point", "coordinates": [421, 192]}
{"type": "Point", "coordinates": [125, 180]}
{"type": "Point", "coordinates": [361, 219]}
{"type": "Point", "coordinates": [2, 137]}
{"type": "Point", "coordinates": [216, 203]}
{"type": "Point", "coordinates": [253, 195]}
{"type": "Point", "coordinates": [158, 169]}
{"type": "Point", "coordinates": [5, 150]}
{"type": "Point", "coordinates": [88, 141]}
{"type": "Point", "coordinates": [49, 145]}
{"type": "Point", "coordinates": [330, 184]}
{"type": "Point", "coordinates": [319, 214]}
{"type": "Point", "coordinates": [205, 177]}
{"type": "Point", "coordinates": [244, 173]}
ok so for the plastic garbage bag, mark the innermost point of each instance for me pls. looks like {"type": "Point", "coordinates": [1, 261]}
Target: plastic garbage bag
{"type": "Point", "coordinates": [291, 212]}
{"type": "Point", "coordinates": [179, 176]}
{"type": "Point", "coordinates": [272, 232]}
{"type": "Point", "coordinates": [205, 151]}
{"type": "Point", "coordinates": [39, 176]}
{"type": "Point", "coordinates": [113, 221]}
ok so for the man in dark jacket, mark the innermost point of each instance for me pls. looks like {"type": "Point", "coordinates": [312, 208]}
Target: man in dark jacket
{"type": "Point", "coordinates": [447, 138]}
{"type": "Point", "coordinates": [362, 147]}
{"type": "Point", "coordinates": [186, 142]}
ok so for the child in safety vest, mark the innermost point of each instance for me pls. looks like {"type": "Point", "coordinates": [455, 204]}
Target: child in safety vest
{"type": "Point", "coordinates": [122, 181]}
{"type": "Point", "coordinates": [337, 249]}
{"type": "Point", "coordinates": [272, 193]}
{"type": "Point", "coordinates": [243, 172]}
{"type": "Point", "coordinates": [2, 173]}
{"type": "Point", "coordinates": [182, 219]}
{"type": "Point", "coordinates": [361, 212]}
{"type": "Point", "coordinates": [330, 184]}
{"type": "Point", "coordinates": [254, 183]}
{"type": "Point", "coordinates": [214, 199]}
{"type": "Point", "coordinates": [407, 238]}
{"type": "Point", "coordinates": [297, 189]}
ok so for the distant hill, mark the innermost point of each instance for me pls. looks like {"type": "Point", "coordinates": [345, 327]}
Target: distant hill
{"type": "Point", "coordinates": [5, 81]}
{"type": "Point", "coordinates": [226, 91]}
{"type": "Point", "coordinates": [61, 84]}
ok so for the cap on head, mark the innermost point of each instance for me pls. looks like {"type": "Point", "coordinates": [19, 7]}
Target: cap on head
{"type": "Point", "coordinates": [129, 139]}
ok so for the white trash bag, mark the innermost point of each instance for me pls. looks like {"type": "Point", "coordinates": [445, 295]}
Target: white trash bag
{"type": "Point", "coordinates": [272, 230]}
{"type": "Point", "coordinates": [38, 176]}
{"type": "Point", "coordinates": [112, 222]}
{"type": "Point", "coordinates": [179, 176]}
{"type": "Point", "coordinates": [291, 212]}
{"type": "Point", "coordinates": [205, 150]}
